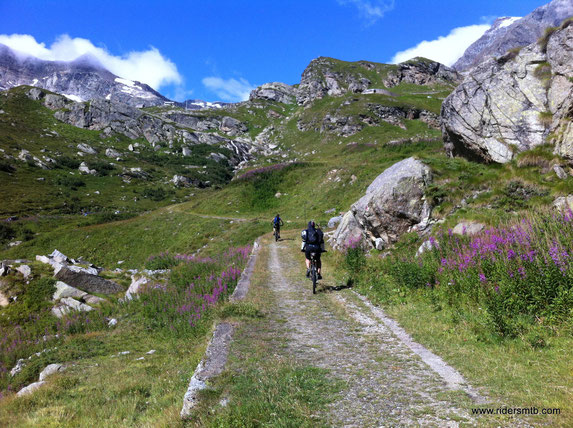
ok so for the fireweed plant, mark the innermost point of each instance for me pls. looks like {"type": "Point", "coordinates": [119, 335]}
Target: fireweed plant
{"type": "Point", "coordinates": [517, 275]}
{"type": "Point", "coordinates": [176, 307]}
{"type": "Point", "coordinates": [196, 285]}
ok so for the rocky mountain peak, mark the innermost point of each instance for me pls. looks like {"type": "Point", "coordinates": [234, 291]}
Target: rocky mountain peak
{"type": "Point", "coordinates": [506, 34]}
{"type": "Point", "coordinates": [82, 79]}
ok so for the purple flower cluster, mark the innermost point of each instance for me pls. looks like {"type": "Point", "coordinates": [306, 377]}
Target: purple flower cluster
{"type": "Point", "coordinates": [527, 264]}
{"type": "Point", "coordinates": [179, 305]}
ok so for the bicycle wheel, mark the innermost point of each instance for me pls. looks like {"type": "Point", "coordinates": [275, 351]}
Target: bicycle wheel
{"type": "Point", "coordinates": [314, 277]}
{"type": "Point", "coordinates": [276, 235]}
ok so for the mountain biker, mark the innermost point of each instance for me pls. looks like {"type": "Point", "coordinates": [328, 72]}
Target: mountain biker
{"type": "Point", "coordinates": [277, 223]}
{"type": "Point", "coordinates": [313, 242]}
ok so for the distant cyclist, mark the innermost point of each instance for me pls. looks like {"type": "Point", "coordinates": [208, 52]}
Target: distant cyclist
{"type": "Point", "coordinates": [312, 242]}
{"type": "Point", "coordinates": [277, 223]}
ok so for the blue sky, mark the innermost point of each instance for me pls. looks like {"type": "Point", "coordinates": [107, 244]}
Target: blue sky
{"type": "Point", "coordinates": [220, 49]}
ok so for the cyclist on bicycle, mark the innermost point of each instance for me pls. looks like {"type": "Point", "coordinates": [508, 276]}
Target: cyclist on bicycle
{"type": "Point", "coordinates": [312, 242]}
{"type": "Point", "coordinates": [277, 223]}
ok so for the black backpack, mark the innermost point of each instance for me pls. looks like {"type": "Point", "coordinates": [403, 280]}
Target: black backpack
{"type": "Point", "coordinates": [312, 236]}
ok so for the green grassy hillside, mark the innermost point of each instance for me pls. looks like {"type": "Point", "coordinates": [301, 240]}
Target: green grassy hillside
{"type": "Point", "coordinates": [326, 154]}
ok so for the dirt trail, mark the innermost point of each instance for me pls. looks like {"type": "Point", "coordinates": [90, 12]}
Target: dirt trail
{"type": "Point", "coordinates": [387, 384]}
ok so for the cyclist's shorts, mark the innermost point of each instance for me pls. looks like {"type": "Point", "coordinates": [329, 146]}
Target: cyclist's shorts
{"type": "Point", "coordinates": [312, 248]}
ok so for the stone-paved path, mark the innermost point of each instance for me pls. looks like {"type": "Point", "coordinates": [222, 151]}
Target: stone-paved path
{"type": "Point", "coordinates": [387, 384]}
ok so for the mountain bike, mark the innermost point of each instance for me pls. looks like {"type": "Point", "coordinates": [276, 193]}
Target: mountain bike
{"type": "Point", "coordinates": [313, 271]}
{"type": "Point", "coordinates": [276, 233]}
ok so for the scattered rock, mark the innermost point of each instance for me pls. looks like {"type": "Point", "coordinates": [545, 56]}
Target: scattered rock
{"type": "Point", "coordinates": [564, 203]}
{"type": "Point", "coordinates": [88, 282]}
{"type": "Point", "coordinates": [4, 301]}
{"type": "Point", "coordinates": [426, 246]}
{"type": "Point", "coordinates": [87, 149]}
{"type": "Point", "coordinates": [68, 304]}
{"type": "Point", "coordinates": [64, 290]}
{"type": "Point", "coordinates": [112, 153]}
{"type": "Point", "coordinates": [4, 269]}
{"type": "Point", "coordinates": [18, 367]}
{"type": "Point", "coordinates": [112, 322]}
{"type": "Point", "coordinates": [468, 228]}
{"type": "Point", "coordinates": [30, 388]}
{"type": "Point", "coordinates": [84, 169]}
{"type": "Point", "coordinates": [334, 221]}
{"type": "Point", "coordinates": [59, 257]}
{"type": "Point", "coordinates": [50, 370]}
{"type": "Point", "coordinates": [93, 300]}
{"type": "Point", "coordinates": [151, 352]}
{"type": "Point", "coordinates": [25, 270]}
{"type": "Point", "coordinates": [560, 172]}
{"type": "Point", "coordinates": [137, 282]}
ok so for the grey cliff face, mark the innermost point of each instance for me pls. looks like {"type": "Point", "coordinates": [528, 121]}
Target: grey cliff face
{"type": "Point", "coordinates": [514, 103]}
{"type": "Point", "coordinates": [500, 39]}
{"type": "Point", "coordinates": [393, 204]}
{"type": "Point", "coordinates": [81, 80]}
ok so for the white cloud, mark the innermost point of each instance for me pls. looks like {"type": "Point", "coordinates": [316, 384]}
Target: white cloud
{"type": "Point", "coordinates": [370, 10]}
{"type": "Point", "coordinates": [445, 49]}
{"type": "Point", "coordinates": [148, 66]}
{"type": "Point", "coordinates": [229, 89]}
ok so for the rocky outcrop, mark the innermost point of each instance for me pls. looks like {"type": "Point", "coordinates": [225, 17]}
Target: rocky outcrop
{"type": "Point", "coordinates": [393, 204]}
{"type": "Point", "coordinates": [510, 33]}
{"type": "Point", "coordinates": [421, 71]}
{"type": "Point", "coordinates": [322, 77]}
{"type": "Point", "coordinates": [396, 115]}
{"type": "Point", "coordinates": [232, 127]}
{"type": "Point", "coordinates": [513, 103]}
{"type": "Point", "coordinates": [326, 76]}
{"type": "Point", "coordinates": [275, 91]}
{"type": "Point", "coordinates": [116, 118]}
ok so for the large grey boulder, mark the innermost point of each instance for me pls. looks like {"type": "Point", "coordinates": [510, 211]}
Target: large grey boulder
{"type": "Point", "coordinates": [87, 282]}
{"type": "Point", "coordinates": [393, 204]}
{"type": "Point", "coordinates": [275, 91]}
{"type": "Point", "coordinates": [512, 104]}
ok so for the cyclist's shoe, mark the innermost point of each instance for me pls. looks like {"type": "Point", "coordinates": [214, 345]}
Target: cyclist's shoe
{"type": "Point", "coordinates": [308, 273]}
{"type": "Point", "coordinates": [319, 276]}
